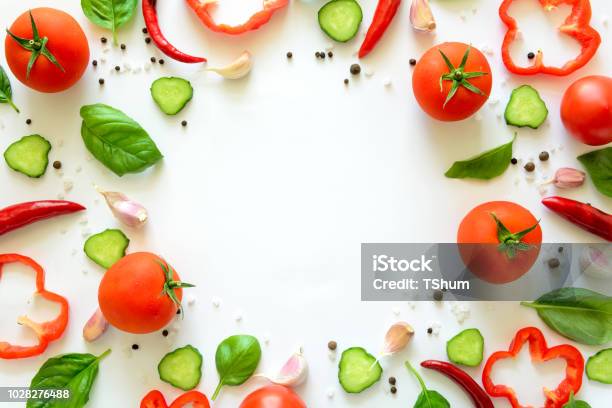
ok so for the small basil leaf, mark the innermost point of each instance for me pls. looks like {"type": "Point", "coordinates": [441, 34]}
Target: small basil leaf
{"type": "Point", "coordinates": [427, 398]}
{"type": "Point", "coordinates": [598, 164]}
{"type": "Point", "coordinates": [579, 314]}
{"type": "Point", "coordinates": [237, 358]}
{"type": "Point", "coordinates": [485, 166]}
{"type": "Point", "coordinates": [73, 372]}
{"type": "Point", "coordinates": [109, 14]}
{"type": "Point", "coordinates": [117, 140]}
{"type": "Point", "coordinates": [6, 93]}
{"type": "Point", "coordinates": [572, 403]}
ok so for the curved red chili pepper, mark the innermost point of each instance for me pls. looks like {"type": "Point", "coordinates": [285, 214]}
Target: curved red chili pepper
{"type": "Point", "coordinates": [155, 399]}
{"type": "Point", "coordinates": [149, 11]}
{"type": "Point", "coordinates": [20, 215]}
{"type": "Point", "coordinates": [47, 331]}
{"type": "Point", "coordinates": [202, 9]}
{"type": "Point", "coordinates": [576, 25]}
{"type": "Point", "coordinates": [385, 11]}
{"type": "Point", "coordinates": [539, 353]}
{"type": "Point", "coordinates": [584, 215]}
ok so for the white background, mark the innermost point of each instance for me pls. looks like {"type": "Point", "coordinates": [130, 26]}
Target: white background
{"type": "Point", "coordinates": [263, 200]}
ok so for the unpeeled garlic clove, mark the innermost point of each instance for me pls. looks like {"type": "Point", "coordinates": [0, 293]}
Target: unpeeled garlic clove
{"type": "Point", "coordinates": [397, 337]}
{"type": "Point", "coordinates": [125, 210]}
{"type": "Point", "coordinates": [293, 373]}
{"type": "Point", "coordinates": [421, 17]}
{"type": "Point", "coordinates": [566, 177]}
{"type": "Point", "coordinates": [237, 69]}
{"type": "Point", "coordinates": [596, 261]}
{"type": "Point", "coordinates": [95, 327]}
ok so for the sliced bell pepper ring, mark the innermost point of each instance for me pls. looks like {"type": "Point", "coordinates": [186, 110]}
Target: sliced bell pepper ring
{"type": "Point", "coordinates": [203, 8]}
{"type": "Point", "coordinates": [47, 331]}
{"type": "Point", "coordinates": [155, 399]}
{"type": "Point", "coordinates": [539, 352]}
{"type": "Point", "coordinates": [576, 25]}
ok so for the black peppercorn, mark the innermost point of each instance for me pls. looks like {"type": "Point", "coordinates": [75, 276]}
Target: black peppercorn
{"type": "Point", "coordinates": [289, 54]}
{"type": "Point", "coordinates": [355, 69]}
{"type": "Point", "coordinates": [184, 123]}
{"type": "Point", "coordinates": [529, 167]}
{"type": "Point", "coordinates": [560, 249]}
{"type": "Point", "coordinates": [392, 380]}
{"type": "Point", "coordinates": [544, 156]}
{"type": "Point", "coordinates": [94, 63]}
{"type": "Point", "coordinates": [161, 62]}
{"type": "Point", "coordinates": [332, 345]}
{"type": "Point", "coordinates": [317, 54]}
{"type": "Point", "coordinates": [322, 54]}
{"type": "Point", "coordinates": [123, 47]}
{"type": "Point", "coordinates": [553, 263]}
{"type": "Point", "coordinates": [117, 68]}
{"type": "Point", "coordinates": [148, 40]}
{"type": "Point", "coordinates": [178, 311]}
{"type": "Point", "coordinates": [104, 40]}
{"type": "Point", "coordinates": [135, 346]}
{"type": "Point", "coordinates": [412, 61]}
{"type": "Point", "coordinates": [513, 160]}
{"type": "Point", "coordinates": [330, 54]}
{"type": "Point", "coordinates": [165, 333]}
{"type": "Point", "coordinates": [394, 390]}
{"type": "Point", "coordinates": [438, 295]}
{"type": "Point", "coordinates": [28, 121]}
{"type": "Point", "coordinates": [153, 60]}
{"type": "Point", "coordinates": [101, 81]}
{"type": "Point", "coordinates": [144, 30]}
{"type": "Point", "coordinates": [346, 81]}
{"type": "Point", "coordinates": [531, 55]}
{"type": "Point", "coordinates": [57, 165]}
{"type": "Point", "coordinates": [429, 330]}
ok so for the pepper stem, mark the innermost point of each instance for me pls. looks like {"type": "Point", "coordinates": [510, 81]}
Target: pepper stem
{"type": "Point", "coordinates": [509, 242]}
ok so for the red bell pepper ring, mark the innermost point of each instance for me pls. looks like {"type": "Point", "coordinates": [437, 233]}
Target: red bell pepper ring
{"type": "Point", "coordinates": [203, 8]}
{"type": "Point", "coordinates": [576, 25]}
{"type": "Point", "coordinates": [385, 11]}
{"type": "Point", "coordinates": [539, 353]}
{"type": "Point", "coordinates": [155, 399]}
{"type": "Point", "coordinates": [47, 331]}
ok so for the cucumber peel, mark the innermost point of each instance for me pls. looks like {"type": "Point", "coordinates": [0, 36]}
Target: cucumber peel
{"type": "Point", "coordinates": [106, 247]}
{"type": "Point", "coordinates": [171, 94]}
{"type": "Point", "coordinates": [525, 108]}
{"type": "Point", "coordinates": [466, 348]}
{"type": "Point", "coordinates": [29, 155]}
{"type": "Point", "coordinates": [358, 370]}
{"type": "Point", "coordinates": [181, 368]}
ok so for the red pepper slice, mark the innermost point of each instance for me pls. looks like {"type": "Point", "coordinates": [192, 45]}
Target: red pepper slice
{"type": "Point", "coordinates": [155, 399]}
{"type": "Point", "coordinates": [47, 331]}
{"type": "Point", "coordinates": [385, 11]}
{"type": "Point", "coordinates": [576, 25]}
{"type": "Point", "coordinates": [20, 215]}
{"type": "Point", "coordinates": [540, 353]}
{"type": "Point", "coordinates": [203, 7]}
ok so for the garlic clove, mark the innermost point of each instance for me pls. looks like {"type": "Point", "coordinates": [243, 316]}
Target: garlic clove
{"type": "Point", "coordinates": [397, 337]}
{"type": "Point", "coordinates": [421, 17]}
{"type": "Point", "coordinates": [567, 177]}
{"type": "Point", "coordinates": [125, 210]}
{"type": "Point", "coordinates": [596, 261]}
{"type": "Point", "coordinates": [95, 327]}
{"type": "Point", "coordinates": [293, 373]}
{"type": "Point", "coordinates": [237, 69]}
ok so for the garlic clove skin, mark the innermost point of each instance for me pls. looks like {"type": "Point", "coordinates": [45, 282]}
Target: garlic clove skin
{"type": "Point", "coordinates": [596, 261]}
{"type": "Point", "coordinates": [567, 177]}
{"type": "Point", "coordinates": [293, 373]}
{"type": "Point", "coordinates": [421, 17]}
{"type": "Point", "coordinates": [397, 338]}
{"type": "Point", "coordinates": [95, 327]}
{"type": "Point", "coordinates": [125, 210]}
{"type": "Point", "coordinates": [237, 69]}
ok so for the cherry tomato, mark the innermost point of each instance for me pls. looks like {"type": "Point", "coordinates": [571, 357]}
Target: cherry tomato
{"type": "Point", "coordinates": [586, 110]}
{"type": "Point", "coordinates": [432, 66]}
{"type": "Point", "coordinates": [273, 396]}
{"type": "Point", "coordinates": [479, 241]}
{"type": "Point", "coordinates": [66, 42]}
{"type": "Point", "coordinates": [132, 297]}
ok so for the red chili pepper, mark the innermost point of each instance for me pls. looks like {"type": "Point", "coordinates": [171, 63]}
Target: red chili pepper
{"type": "Point", "coordinates": [202, 9]}
{"type": "Point", "coordinates": [20, 215]}
{"type": "Point", "coordinates": [539, 353]}
{"type": "Point", "coordinates": [475, 391]}
{"type": "Point", "coordinates": [584, 215]}
{"type": "Point", "coordinates": [155, 399]}
{"type": "Point", "coordinates": [385, 11]}
{"type": "Point", "coordinates": [576, 25]}
{"type": "Point", "coordinates": [149, 11]}
{"type": "Point", "coordinates": [47, 331]}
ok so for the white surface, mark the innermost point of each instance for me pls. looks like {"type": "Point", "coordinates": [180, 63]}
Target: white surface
{"type": "Point", "coordinates": [263, 200]}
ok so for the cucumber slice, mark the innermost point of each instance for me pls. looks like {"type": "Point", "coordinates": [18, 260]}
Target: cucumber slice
{"type": "Point", "coordinates": [29, 155]}
{"type": "Point", "coordinates": [106, 247]}
{"type": "Point", "coordinates": [599, 367]}
{"type": "Point", "coordinates": [525, 108]}
{"type": "Point", "coordinates": [358, 370]}
{"type": "Point", "coordinates": [340, 19]}
{"type": "Point", "coordinates": [181, 368]}
{"type": "Point", "coordinates": [466, 348]}
{"type": "Point", "coordinates": [171, 94]}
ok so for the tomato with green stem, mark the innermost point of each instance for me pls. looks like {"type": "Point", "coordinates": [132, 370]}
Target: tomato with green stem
{"type": "Point", "coordinates": [452, 81]}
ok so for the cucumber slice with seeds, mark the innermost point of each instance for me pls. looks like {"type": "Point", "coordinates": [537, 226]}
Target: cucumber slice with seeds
{"type": "Point", "coordinates": [599, 367]}
{"type": "Point", "coordinates": [525, 108]}
{"type": "Point", "coordinates": [106, 247]}
{"type": "Point", "coordinates": [358, 370]}
{"type": "Point", "coordinates": [340, 19]}
{"type": "Point", "coordinates": [171, 94]}
{"type": "Point", "coordinates": [29, 155]}
{"type": "Point", "coordinates": [466, 348]}
{"type": "Point", "coordinates": [181, 368]}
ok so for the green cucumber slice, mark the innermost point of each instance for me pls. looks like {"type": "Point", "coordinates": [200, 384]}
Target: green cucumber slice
{"type": "Point", "coordinates": [599, 367]}
{"type": "Point", "coordinates": [340, 19]}
{"type": "Point", "coordinates": [181, 368]}
{"type": "Point", "coordinates": [29, 155]}
{"type": "Point", "coordinates": [525, 108]}
{"type": "Point", "coordinates": [171, 94]}
{"type": "Point", "coordinates": [358, 370]}
{"type": "Point", "coordinates": [466, 348]}
{"type": "Point", "coordinates": [106, 247]}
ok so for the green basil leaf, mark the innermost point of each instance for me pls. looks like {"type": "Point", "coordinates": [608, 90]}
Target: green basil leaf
{"type": "Point", "coordinates": [572, 403]}
{"type": "Point", "coordinates": [598, 164]}
{"type": "Point", "coordinates": [6, 93]}
{"type": "Point", "coordinates": [237, 359]}
{"type": "Point", "coordinates": [427, 398]}
{"type": "Point", "coordinates": [578, 314]}
{"type": "Point", "coordinates": [73, 372]}
{"type": "Point", "coordinates": [109, 14]}
{"type": "Point", "coordinates": [485, 166]}
{"type": "Point", "coordinates": [117, 140]}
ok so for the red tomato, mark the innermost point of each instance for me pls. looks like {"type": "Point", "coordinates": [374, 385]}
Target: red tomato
{"type": "Point", "coordinates": [273, 396]}
{"type": "Point", "coordinates": [485, 259]}
{"type": "Point", "coordinates": [586, 110]}
{"type": "Point", "coordinates": [426, 82]}
{"type": "Point", "coordinates": [66, 42]}
{"type": "Point", "coordinates": [131, 294]}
